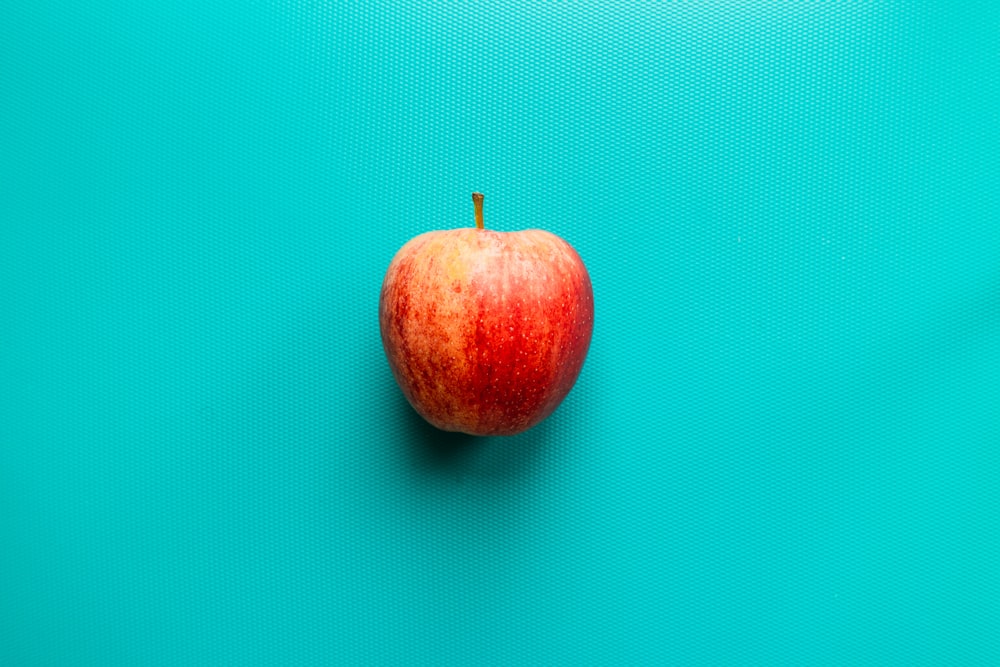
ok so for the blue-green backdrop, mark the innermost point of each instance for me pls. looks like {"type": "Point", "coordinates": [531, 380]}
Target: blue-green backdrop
{"type": "Point", "coordinates": [784, 447]}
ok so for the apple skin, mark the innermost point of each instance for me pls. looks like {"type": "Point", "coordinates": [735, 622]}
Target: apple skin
{"type": "Point", "coordinates": [486, 331]}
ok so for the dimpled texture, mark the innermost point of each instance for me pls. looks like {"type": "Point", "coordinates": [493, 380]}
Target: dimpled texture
{"type": "Point", "coordinates": [486, 332]}
{"type": "Point", "coordinates": [782, 448]}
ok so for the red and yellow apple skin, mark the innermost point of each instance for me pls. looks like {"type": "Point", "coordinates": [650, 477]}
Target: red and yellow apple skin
{"type": "Point", "coordinates": [486, 332]}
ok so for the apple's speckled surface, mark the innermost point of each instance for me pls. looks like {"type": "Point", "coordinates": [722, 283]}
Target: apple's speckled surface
{"type": "Point", "coordinates": [781, 450]}
{"type": "Point", "coordinates": [486, 332]}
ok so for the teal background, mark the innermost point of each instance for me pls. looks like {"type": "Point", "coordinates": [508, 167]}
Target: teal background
{"type": "Point", "coordinates": [784, 447]}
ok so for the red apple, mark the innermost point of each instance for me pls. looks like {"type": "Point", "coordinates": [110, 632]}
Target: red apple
{"type": "Point", "coordinates": [485, 331]}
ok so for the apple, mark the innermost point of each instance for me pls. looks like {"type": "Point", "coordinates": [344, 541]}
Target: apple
{"type": "Point", "coordinates": [486, 331]}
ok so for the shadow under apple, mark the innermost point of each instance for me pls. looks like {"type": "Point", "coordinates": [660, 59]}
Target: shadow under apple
{"type": "Point", "coordinates": [432, 451]}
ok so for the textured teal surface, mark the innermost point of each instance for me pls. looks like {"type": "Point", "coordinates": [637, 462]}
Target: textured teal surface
{"type": "Point", "coordinates": [784, 447]}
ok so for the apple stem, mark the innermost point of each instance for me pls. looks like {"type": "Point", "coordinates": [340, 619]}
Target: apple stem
{"type": "Point", "coordinates": [477, 200]}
